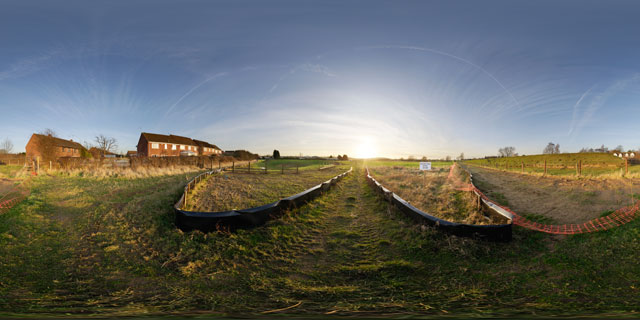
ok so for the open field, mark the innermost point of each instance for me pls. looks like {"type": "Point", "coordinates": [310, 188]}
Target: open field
{"type": "Point", "coordinates": [277, 164]}
{"type": "Point", "coordinates": [407, 163]}
{"type": "Point", "coordinates": [430, 192]}
{"type": "Point", "coordinates": [108, 246]}
{"type": "Point", "coordinates": [9, 171]}
{"type": "Point", "coordinates": [561, 199]}
{"type": "Point", "coordinates": [564, 164]}
{"type": "Point", "coordinates": [232, 191]}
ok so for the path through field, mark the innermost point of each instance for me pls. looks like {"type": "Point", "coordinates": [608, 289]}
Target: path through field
{"type": "Point", "coordinates": [564, 200]}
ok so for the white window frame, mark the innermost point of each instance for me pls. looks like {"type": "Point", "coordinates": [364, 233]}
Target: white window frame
{"type": "Point", "coordinates": [155, 145]}
{"type": "Point", "coordinates": [174, 147]}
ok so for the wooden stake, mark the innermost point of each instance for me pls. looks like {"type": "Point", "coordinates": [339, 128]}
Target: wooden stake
{"type": "Point", "coordinates": [522, 166]}
{"type": "Point", "coordinates": [626, 165]}
{"type": "Point", "coordinates": [282, 169]}
{"type": "Point", "coordinates": [545, 166]}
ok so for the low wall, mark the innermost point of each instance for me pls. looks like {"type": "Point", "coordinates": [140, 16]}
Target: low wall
{"type": "Point", "coordinates": [245, 218]}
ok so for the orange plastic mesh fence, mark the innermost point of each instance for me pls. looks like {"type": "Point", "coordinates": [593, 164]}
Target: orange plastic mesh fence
{"type": "Point", "coordinates": [615, 219]}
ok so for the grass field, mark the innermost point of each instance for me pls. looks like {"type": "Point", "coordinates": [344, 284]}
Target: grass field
{"type": "Point", "coordinates": [430, 192]}
{"type": "Point", "coordinates": [277, 164]}
{"type": "Point", "coordinates": [232, 191]}
{"type": "Point", "coordinates": [9, 171]}
{"type": "Point", "coordinates": [108, 246]}
{"type": "Point", "coordinates": [564, 164]}
{"type": "Point", "coordinates": [409, 164]}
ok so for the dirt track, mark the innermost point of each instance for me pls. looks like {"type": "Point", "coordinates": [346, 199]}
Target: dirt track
{"type": "Point", "coordinates": [563, 200]}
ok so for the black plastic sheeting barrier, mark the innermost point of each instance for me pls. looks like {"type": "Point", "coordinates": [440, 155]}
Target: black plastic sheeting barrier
{"type": "Point", "coordinates": [245, 218]}
{"type": "Point", "coordinates": [499, 232]}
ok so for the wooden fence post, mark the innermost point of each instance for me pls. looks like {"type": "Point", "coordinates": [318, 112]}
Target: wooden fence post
{"type": "Point", "coordinates": [265, 167]}
{"type": "Point", "coordinates": [522, 166]}
{"type": "Point", "coordinates": [282, 168]}
{"type": "Point", "coordinates": [626, 165]}
{"type": "Point", "coordinates": [249, 166]}
{"type": "Point", "coordinates": [297, 166]}
{"type": "Point", "coordinates": [233, 166]}
{"type": "Point", "coordinates": [545, 166]}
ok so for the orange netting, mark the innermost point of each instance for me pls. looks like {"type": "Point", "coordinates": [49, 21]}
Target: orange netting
{"type": "Point", "coordinates": [615, 219]}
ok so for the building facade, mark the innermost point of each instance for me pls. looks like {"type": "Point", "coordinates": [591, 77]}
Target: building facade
{"type": "Point", "coordinates": [160, 145]}
{"type": "Point", "coordinates": [42, 147]}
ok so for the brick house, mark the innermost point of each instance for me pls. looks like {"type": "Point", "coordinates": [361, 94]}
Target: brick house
{"type": "Point", "coordinates": [39, 145]}
{"type": "Point", "coordinates": [160, 145]}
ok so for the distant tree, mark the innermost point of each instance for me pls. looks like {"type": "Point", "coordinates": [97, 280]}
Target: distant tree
{"type": "Point", "coordinates": [105, 144]}
{"type": "Point", "coordinates": [331, 157]}
{"type": "Point", "coordinates": [276, 154]}
{"type": "Point", "coordinates": [550, 148]}
{"type": "Point", "coordinates": [619, 148]}
{"type": "Point", "coordinates": [411, 158]}
{"type": "Point", "coordinates": [448, 158]}
{"type": "Point", "coordinates": [507, 152]}
{"type": "Point", "coordinates": [6, 146]}
{"type": "Point", "coordinates": [345, 157]}
{"type": "Point", "coordinates": [557, 149]}
{"type": "Point", "coordinates": [339, 157]}
{"type": "Point", "coordinates": [461, 156]}
{"type": "Point", "coordinates": [424, 158]}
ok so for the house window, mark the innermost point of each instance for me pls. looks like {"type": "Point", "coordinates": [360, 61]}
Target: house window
{"type": "Point", "coordinates": [174, 147]}
{"type": "Point", "coordinates": [182, 147]}
{"type": "Point", "coordinates": [155, 146]}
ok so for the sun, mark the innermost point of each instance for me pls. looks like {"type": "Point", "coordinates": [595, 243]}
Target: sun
{"type": "Point", "coordinates": [366, 149]}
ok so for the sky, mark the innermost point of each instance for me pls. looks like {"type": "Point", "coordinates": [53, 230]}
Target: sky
{"type": "Point", "coordinates": [363, 78]}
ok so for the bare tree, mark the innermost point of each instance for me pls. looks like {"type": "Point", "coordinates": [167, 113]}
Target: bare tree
{"type": "Point", "coordinates": [507, 152]}
{"type": "Point", "coordinates": [6, 146]}
{"type": "Point", "coordinates": [105, 144]}
{"type": "Point", "coordinates": [448, 158]}
{"type": "Point", "coordinates": [619, 148]}
{"type": "Point", "coordinates": [461, 156]}
{"type": "Point", "coordinates": [550, 148]}
{"type": "Point", "coordinates": [557, 149]}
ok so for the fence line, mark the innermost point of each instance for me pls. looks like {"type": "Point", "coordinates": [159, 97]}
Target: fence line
{"type": "Point", "coordinates": [617, 218]}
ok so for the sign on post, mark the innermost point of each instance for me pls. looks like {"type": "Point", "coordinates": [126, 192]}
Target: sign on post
{"type": "Point", "coordinates": [425, 166]}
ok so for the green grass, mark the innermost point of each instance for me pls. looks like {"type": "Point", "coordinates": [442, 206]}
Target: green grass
{"type": "Point", "coordinates": [108, 246]}
{"type": "Point", "coordinates": [593, 164]}
{"type": "Point", "coordinates": [408, 163]}
{"type": "Point", "coordinates": [304, 164]}
{"type": "Point", "coordinates": [8, 171]}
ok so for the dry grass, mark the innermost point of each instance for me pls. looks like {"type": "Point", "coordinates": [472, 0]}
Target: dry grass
{"type": "Point", "coordinates": [133, 173]}
{"type": "Point", "coordinates": [430, 192]}
{"type": "Point", "coordinates": [233, 191]}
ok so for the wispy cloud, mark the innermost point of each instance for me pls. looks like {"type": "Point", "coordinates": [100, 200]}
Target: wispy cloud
{"type": "Point", "coordinates": [190, 91]}
{"type": "Point", "coordinates": [584, 116]}
{"type": "Point", "coordinates": [489, 74]}
{"type": "Point", "coordinates": [29, 65]}
{"type": "Point", "coordinates": [306, 67]}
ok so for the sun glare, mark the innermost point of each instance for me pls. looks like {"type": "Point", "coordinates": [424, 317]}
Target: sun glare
{"type": "Point", "coordinates": [366, 149]}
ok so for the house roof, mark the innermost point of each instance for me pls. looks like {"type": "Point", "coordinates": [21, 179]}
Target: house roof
{"type": "Point", "coordinates": [61, 142]}
{"type": "Point", "coordinates": [201, 143]}
{"type": "Point", "coordinates": [131, 152]}
{"type": "Point", "coordinates": [95, 151]}
{"type": "Point", "coordinates": [154, 137]}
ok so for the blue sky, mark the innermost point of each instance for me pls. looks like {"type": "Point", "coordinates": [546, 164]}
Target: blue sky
{"type": "Point", "coordinates": [398, 78]}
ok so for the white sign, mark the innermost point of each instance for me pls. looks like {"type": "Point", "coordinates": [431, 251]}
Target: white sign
{"type": "Point", "coordinates": [425, 165]}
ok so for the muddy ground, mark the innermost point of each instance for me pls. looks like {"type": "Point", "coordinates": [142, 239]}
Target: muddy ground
{"type": "Point", "coordinates": [563, 200]}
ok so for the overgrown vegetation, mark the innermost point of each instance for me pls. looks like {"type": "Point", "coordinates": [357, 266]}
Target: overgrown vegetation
{"type": "Point", "coordinates": [233, 191]}
{"type": "Point", "coordinates": [108, 246]}
{"type": "Point", "coordinates": [431, 193]}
